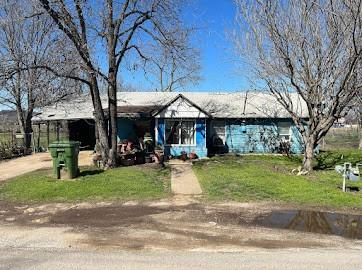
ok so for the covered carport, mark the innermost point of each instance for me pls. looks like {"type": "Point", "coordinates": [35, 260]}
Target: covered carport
{"type": "Point", "coordinates": [65, 120]}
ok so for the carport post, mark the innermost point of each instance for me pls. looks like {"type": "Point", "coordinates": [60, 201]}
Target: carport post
{"type": "Point", "coordinates": [39, 133]}
{"type": "Point", "coordinates": [57, 130]}
{"type": "Point", "coordinates": [48, 139]}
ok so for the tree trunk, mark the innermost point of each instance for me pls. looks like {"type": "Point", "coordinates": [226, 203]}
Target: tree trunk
{"type": "Point", "coordinates": [112, 103]}
{"type": "Point", "coordinates": [25, 125]}
{"type": "Point", "coordinates": [308, 155]}
{"type": "Point", "coordinates": [28, 131]}
{"type": "Point", "coordinates": [100, 121]}
{"type": "Point", "coordinates": [112, 88]}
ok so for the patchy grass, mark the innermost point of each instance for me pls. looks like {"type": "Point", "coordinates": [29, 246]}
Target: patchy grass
{"type": "Point", "coordinates": [270, 178]}
{"type": "Point", "coordinates": [122, 183]}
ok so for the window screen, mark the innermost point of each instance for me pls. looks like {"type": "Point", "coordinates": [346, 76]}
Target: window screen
{"type": "Point", "coordinates": [180, 132]}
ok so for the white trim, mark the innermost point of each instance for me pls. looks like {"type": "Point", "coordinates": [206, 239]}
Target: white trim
{"type": "Point", "coordinates": [180, 119]}
{"type": "Point", "coordinates": [181, 108]}
{"type": "Point", "coordinates": [156, 131]}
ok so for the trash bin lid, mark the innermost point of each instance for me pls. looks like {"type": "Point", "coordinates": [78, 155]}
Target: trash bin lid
{"type": "Point", "coordinates": [67, 144]}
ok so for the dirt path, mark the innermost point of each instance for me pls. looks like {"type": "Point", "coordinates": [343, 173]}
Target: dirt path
{"type": "Point", "coordinates": [22, 165]}
{"type": "Point", "coordinates": [183, 179]}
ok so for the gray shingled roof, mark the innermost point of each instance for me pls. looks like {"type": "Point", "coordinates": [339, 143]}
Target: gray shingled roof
{"type": "Point", "coordinates": [218, 105]}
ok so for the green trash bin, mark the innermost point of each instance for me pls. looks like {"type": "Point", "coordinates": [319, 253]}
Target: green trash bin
{"type": "Point", "coordinates": [65, 157]}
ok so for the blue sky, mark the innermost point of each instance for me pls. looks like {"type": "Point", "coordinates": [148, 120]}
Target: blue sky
{"type": "Point", "coordinates": [214, 19]}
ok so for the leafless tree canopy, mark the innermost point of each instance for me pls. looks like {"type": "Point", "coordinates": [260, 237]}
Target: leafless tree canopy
{"type": "Point", "coordinates": [304, 46]}
{"type": "Point", "coordinates": [27, 40]}
{"type": "Point", "coordinates": [170, 69]}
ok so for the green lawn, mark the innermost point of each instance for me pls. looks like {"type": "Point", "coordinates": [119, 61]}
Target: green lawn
{"type": "Point", "coordinates": [122, 183]}
{"type": "Point", "coordinates": [270, 178]}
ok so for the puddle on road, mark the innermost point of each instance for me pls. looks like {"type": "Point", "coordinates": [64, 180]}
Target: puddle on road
{"type": "Point", "coordinates": [345, 225]}
{"type": "Point", "coordinates": [349, 226]}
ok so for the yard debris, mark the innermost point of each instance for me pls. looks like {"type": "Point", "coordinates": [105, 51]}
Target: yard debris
{"type": "Point", "coordinates": [299, 171]}
{"type": "Point", "coordinates": [302, 173]}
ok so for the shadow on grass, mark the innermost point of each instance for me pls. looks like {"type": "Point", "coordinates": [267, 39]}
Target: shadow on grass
{"type": "Point", "coordinates": [91, 172]}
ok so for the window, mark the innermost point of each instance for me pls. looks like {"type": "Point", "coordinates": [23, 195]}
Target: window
{"type": "Point", "coordinates": [284, 131]}
{"type": "Point", "coordinates": [172, 132]}
{"type": "Point", "coordinates": [218, 132]}
{"type": "Point", "coordinates": [180, 132]}
{"type": "Point", "coordinates": [187, 132]}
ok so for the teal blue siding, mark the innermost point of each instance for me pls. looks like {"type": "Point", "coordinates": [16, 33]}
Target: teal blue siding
{"type": "Point", "coordinates": [125, 129]}
{"type": "Point", "coordinates": [176, 150]}
{"type": "Point", "coordinates": [258, 136]}
{"type": "Point", "coordinates": [297, 145]}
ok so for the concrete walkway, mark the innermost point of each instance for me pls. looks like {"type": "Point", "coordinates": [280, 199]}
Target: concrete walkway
{"type": "Point", "coordinates": [22, 165]}
{"type": "Point", "coordinates": [183, 179]}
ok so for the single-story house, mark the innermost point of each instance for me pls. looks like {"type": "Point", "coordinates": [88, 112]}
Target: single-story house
{"type": "Point", "coordinates": [205, 123]}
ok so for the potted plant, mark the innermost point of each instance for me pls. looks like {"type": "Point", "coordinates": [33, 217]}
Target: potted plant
{"type": "Point", "coordinates": [183, 156]}
{"type": "Point", "coordinates": [193, 155]}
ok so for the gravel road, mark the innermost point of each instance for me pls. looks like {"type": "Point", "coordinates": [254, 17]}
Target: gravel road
{"type": "Point", "coordinates": [277, 259]}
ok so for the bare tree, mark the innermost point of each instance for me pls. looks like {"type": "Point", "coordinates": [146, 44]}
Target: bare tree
{"type": "Point", "coordinates": [26, 41]}
{"type": "Point", "coordinates": [171, 69]}
{"type": "Point", "coordinates": [117, 28]}
{"type": "Point", "coordinates": [309, 47]}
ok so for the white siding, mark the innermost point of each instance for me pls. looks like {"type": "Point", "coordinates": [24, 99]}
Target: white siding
{"type": "Point", "coordinates": [181, 109]}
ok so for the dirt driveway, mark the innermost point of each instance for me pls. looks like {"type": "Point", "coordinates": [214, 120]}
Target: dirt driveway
{"type": "Point", "coordinates": [175, 224]}
{"type": "Point", "coordinates": [22, 165]}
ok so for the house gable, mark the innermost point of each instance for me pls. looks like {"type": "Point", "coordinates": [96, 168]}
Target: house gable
{"type": "Point", "coordinates": [181, 107]}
